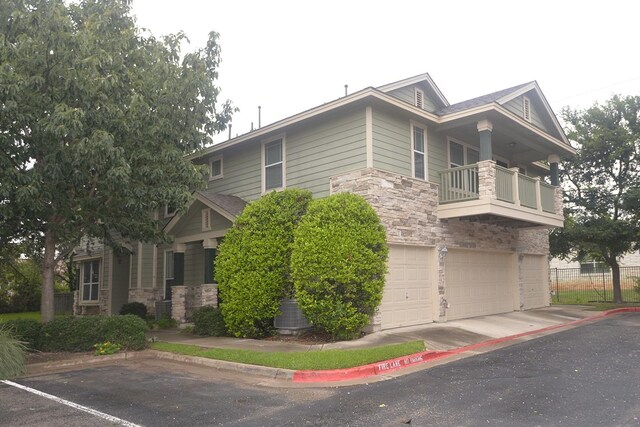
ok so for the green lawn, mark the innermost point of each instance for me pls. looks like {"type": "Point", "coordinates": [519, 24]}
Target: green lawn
{"type": "Point", "coordinates": [27, 315]}
{"type": "Point", "coordinates": [327, 359]}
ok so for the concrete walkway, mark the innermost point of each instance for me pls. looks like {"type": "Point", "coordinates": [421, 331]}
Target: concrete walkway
{"type": "Point", "coordinates": [437, 336]}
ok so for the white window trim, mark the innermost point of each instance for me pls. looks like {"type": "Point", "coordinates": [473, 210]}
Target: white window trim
{"type": "Point", "coordinates": [205, 216]}
{"type": "Point", "coordinates": [282, 137]}
{"type": "Point", "coordinates": [221, 175]}
{"type": "Point", "coordinates": [502, 159]}
{"type": "Point", "coordinates": [164, 275]}
{"type": "Point", "coordinates": [526, 102]}
{"type": "Point", "coordinates": [415, 98]}
{"type": "Point", "coordinates": [426, 150]}
{"type": "Point", "coordinates": [168, 214]}
{"type": "Point", "coordinates": [465, 145]}
{"type": "Point", "coordinates": [81, 281]}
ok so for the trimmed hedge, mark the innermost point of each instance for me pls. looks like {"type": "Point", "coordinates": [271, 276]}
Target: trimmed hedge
{"type": "Point", "coordinates": [208, 320]}
{"type": "Point", "coordinates": [29, 331]}
{"type": "Point", "coordinates": [136, 308]}
{"type": "Point", "coordinates": [80, 333]}
{"type": "Point", "coordinates": [338, 264]}
{"type": "Point", "coordinates": [253, 262]}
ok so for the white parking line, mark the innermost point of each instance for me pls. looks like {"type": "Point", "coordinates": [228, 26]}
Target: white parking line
{"type": "Point", "coordinates": [71, 404]}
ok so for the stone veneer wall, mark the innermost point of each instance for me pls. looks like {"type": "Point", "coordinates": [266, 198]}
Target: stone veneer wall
{"type": "Point", "coordinates": [147, 296]}
{"type": "Point", "coordinates": [186, 299]}
{"type": "Point", "coordinates": [408, 208]}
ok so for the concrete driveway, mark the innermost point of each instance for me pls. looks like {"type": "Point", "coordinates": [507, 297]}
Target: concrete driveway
{"type": "Point", "coordinates": [584, 376]}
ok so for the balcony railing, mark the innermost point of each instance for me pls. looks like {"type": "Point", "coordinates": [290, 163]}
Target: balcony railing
{"type": "Point", "coordinates": [505, 192]}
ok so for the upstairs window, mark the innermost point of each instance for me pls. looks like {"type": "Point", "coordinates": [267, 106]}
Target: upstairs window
{"type": "Point", "coordinates": [419, 98]}
{"type": "Point", "coordinates": [419, 153]}
{"type": "Point", "coordinates": [215, 168]}
{"type": "Point", "coordinates": [526, 108]}
{"type": "Point", "coordinates": [169, 211]}
{"type": "Point", "coordinates": [273, 173]}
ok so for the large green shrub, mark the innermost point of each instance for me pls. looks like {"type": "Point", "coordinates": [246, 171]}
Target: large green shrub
{"type": "Point", "coordinates": [28, 331]}
{"type": "Point", "coordinates": [135, 308]}
{"type": "Point", "coordinates": [12, 355]}
{"type": "Point", "coordinates": [338, 264]}
{"type": "Point", "coordinates": [82, 333]}
{"type": "Point", "coordinates": [253, 264]}
{"type": "Point", "coordinates": [208, 320]}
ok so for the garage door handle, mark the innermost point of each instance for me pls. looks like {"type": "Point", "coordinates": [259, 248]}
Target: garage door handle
{"type": "Point", "coordinates": [406, 296]}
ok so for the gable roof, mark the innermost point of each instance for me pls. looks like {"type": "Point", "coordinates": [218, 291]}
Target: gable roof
{"type": "Point", "coordinates": [426, 78]}
{"type": "Point", "coordinates": [232, 206]}
{"type": "Point", "coordinates": [480, 100]}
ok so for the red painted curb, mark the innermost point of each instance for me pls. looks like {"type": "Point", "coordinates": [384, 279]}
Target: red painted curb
{"type": "Point", "coordinates": [383, 367]}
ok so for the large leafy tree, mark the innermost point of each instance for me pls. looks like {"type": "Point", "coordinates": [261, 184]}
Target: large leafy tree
{"type": "Point", "coordinates": [602, 182]}
{"type": "Point", "coordinates": [95, 118]}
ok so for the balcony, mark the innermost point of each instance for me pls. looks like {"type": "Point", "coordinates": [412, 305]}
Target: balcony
{"type": "Point", "coordinates": [490, 190]}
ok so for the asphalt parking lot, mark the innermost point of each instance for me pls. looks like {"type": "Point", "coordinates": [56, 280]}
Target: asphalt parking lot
{"type": "Point", "coordinates": [584, 376]}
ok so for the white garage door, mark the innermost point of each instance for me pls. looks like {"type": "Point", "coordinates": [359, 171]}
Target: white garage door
{"type": "Point", "coordinates": [535, 279]}
{"type": "Point", "coordinates": [407, 298]}
{"type": "Point", "coordinates": [479, 283]}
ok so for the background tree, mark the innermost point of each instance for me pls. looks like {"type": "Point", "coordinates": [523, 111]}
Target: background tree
{"type": "Point", "coordinates": [601, 185]}
{"type": "Point", "coordinates": [253, 266]}
{"type": "Point", "coordinates": [95, 119]}
{"type": "Point", "coordinates": [338, 263]}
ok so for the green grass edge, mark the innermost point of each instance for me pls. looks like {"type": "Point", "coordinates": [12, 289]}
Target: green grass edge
{"type": "Point", "coordinates": [317, 360]}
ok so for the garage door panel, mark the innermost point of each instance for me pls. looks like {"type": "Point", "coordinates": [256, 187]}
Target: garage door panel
{"type": "Point", "coordinates": [479, 283]}
{"type": "Point", "coordinates": [407, 297]}
{"type": "Point", "coordinates": [535, 281]}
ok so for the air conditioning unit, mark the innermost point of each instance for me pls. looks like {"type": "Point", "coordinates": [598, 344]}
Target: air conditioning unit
{"type": "Point", "coordinates": [292, 319]}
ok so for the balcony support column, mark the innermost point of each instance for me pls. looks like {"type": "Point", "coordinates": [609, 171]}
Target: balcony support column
{"type": "Point", "coordinates": [554, 159]}
{"type": "Point", "coordinates": [484, 130]}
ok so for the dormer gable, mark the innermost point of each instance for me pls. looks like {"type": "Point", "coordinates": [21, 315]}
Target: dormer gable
{"type": "Point", "coordinates": [419, 90]}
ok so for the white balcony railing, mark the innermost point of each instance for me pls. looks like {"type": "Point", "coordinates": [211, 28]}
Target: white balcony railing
{"type": "Point", "coordinates": [486, 183]}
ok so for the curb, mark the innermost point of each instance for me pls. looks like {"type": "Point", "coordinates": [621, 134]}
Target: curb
{"type": "Point", "coordinates": [384, 367]}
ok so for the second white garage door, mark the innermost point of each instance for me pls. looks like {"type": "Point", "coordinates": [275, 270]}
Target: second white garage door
{"type": "Point", "coordinates": [535, 280]}
{"type": "Point", "coordinates": [407, 298]}
{"type": "Point", "coordinates": [479, 283]}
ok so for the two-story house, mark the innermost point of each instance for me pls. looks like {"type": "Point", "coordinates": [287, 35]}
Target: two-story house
{"type": "Point", "coordinates": [467, 193]}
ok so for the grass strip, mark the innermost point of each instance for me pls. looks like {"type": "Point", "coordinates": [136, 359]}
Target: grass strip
{"type": "Point", "coordinates": [35, 315]}
{"type": "Point", "coordinates": [325, 359]}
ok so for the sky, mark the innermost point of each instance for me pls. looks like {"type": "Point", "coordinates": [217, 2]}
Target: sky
{"type": "Point", "coordinates": [289, 56]}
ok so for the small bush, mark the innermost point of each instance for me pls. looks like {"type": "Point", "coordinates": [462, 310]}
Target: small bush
{"type": "Point", "coordinates": [165, 322]}
{"type": "Point", "coordinates": [106, 348]}
{"type": "Point", "coordinates": [338, 264]}
{"type": "Point", "coordinates": [12, 355]}
{"type": "Point", "coordinates": [135, 308]}
{"type": "Point", "coordinates": [208, 320]}
{"type": "Point", "coordinates": [253, 263]}
{"type": "Point", "coordinates": [82, 333]}
{"type": "Point", "coordinates": [29, 331]}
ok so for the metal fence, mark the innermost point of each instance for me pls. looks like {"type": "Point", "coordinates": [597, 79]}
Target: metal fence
{"type": "Point", "coordinates": [579, 286]}
{"type": "Point", "coordinates": [63, 303]}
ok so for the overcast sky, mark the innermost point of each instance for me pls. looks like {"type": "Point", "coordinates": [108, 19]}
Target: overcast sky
{"type": "Point", "coordinates": [288, 56]}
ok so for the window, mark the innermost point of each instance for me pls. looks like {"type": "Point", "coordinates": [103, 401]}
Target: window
{"type": "Point", "coordinates": [419, 153]}
{"type": "Point", "coordinates": [419, 98]}
{"type": "Point", "coordinates": [90, 280]}
{"type": "Point", "coordinates": [169, 211]}
{"type": "Point", "coordinates": [215, 168]}
{"type": "Point", "coordinates": [206, 219]}
{"type": "Point", "coordinates": [273, 153]}
{"type": "Point", "coordinates": [168, 265]}
{"type": "Point", "coordinates": [526, 108]}
{"type": "Point", "coordinates": [461, 154]}
{"type": "Point", "coordinates": [592, 267]}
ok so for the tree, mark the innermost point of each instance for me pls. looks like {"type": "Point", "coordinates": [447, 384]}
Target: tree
{"type": "Point", "coordinates": [338, 263]}
{"type": "Point", "coordinates": [96, 119]}
{"type": "Point", "coordinates": [253, 266]}
{"type": "Point", "coordinates": [602, 182]}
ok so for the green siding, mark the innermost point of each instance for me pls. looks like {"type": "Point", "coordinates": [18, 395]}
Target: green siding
{"type": "Point", "coordinates": [194, 264]}
{"type": "Point", "coordinates": [537, 119]}
{"type": "Point", "coordinates": [106, 268]}
{"type": "Point", "coordinates": [147, 266]}
{"type": "Point", "coordinates": [318, 152]}
{"type": "Point", "coordinates": [120, 282]}
{"type": "Point", "coordinates": [437, 154]}
{"type": "Point", "coordinates": [134, 267]}
{"type": "Point", "coordinates": [191, 223]}
{"type": "Point", "coordinates": [241, 172]}
{"type": "Point", "coordinates": [392, 146]}
{"type": "Point", "coordinates": [408, 94]}
{"type": "Point", "coordinates": [391, 143]}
